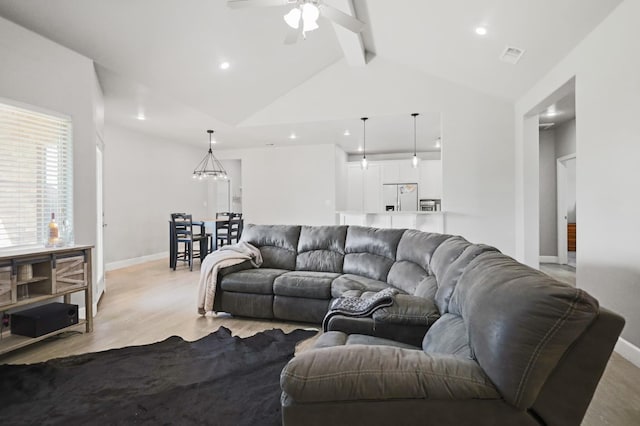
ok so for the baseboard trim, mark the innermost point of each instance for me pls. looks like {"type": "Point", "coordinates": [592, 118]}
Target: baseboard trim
{"type": "Point", "coordinates": [135, 261]}
{"type": "Point", "coordinates": [629, 351]}
{"type": "Point", "coordinates": [549, 259]}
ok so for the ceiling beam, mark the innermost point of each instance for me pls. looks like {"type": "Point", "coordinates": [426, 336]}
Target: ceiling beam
{"type": "Point", "coordinates": [352, 43]}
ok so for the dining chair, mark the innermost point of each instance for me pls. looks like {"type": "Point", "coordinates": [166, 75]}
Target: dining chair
{"type": "Point", "coordinates": [182, 227]}
{"type": "Point", "coordinates": [231, 230]}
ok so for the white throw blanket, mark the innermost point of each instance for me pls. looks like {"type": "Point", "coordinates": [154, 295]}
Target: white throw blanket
{"type": "Point", "coordinates": [222, 258]}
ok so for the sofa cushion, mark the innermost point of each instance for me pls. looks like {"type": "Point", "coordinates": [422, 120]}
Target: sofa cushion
{"type": "Point", "coordinates": [307, 284]}
{"type": "Point", "coordinates": [258, 281]}
{"type": "Point", "coordinates": [406, 275]}
{"type": "Point", "coordinates": [338, 338]}
{"type": "Point", "coordinates": [366, 372]}
{"type": "Point", "coordinates": [408, 310]}
{"type": "Point", "coordinates": [321, 248]}
{"type": "Point", "coordinates": [355, 285]}
{"type": "Point", "coordinates": [427, 288]}
{"type": "Point", "coordinates": [278, 244]}
{"type": "Point", "coordinates": [449, 261]}
{"type": "Point", "coordinates": [413, 257]}
{"type": "Point", "coordinates": [520, 322]}
{"type": "Point", "coordinates": [370, 252]}
{"type": "Point", "coordinates": [448, 335]}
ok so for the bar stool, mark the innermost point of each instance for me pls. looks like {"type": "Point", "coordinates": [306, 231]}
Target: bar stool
{"type": "Point", "coordinates": [182, 227]}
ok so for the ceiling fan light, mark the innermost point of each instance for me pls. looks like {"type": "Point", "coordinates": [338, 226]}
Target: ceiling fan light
{"type": "Point", "coordinates": [293, 18]}
{"type": "Point", "coordinates": [310, 12]}
{"type": "Point", "coordinates": [309, 25]}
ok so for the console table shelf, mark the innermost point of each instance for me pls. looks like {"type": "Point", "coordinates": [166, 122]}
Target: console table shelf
{"type": "Point", "coordinates": [50, 274]}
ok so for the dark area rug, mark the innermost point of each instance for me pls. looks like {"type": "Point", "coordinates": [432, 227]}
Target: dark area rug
{"type": "Point", "coordinates": [217, 380]}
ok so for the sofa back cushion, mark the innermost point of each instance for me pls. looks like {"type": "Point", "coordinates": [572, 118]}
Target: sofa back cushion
{"type": "Point", "coordinates": [321, 248]}
{"type": "Point", "coordinates": [520, 322]}
{"type": "Point", "coordinates": [370, 252]}
{"type": "Point", "coordinates": [412, 259]}
{"type": "Point", "coordinates": [278, 244]}
{"type": "Point", "coordinates": [450, 274]}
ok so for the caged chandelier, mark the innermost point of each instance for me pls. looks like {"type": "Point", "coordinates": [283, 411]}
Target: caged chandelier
{"type": "Point", "coordinates": [209, 167]}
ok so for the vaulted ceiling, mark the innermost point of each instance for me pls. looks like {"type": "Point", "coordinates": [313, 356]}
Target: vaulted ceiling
{"type": "Point", "coordinates": [161, 58]}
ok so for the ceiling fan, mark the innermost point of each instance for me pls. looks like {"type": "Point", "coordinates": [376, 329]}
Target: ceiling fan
{"type": "Point", "coordinates": [303, 17]}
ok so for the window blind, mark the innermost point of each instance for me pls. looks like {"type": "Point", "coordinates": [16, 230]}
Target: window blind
{"type": "Point", "coordinates": [36, 175]}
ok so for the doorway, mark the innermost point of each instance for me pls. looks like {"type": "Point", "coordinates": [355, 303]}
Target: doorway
{"type": "Point", "coordinates": [566, 180]}
{"type": "Point", "coordinates": [557, 179]}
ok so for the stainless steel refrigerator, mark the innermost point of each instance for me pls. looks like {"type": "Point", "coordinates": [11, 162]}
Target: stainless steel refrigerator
{"type": "Point", "coordinates": [400, 197]}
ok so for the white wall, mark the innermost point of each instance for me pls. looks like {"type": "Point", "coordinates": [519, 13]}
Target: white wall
{"type": "Point", "coordinates": [145, 180]}
{"type": "Point", "coordinates": [39, 72]}
{"type": "Point", "coordinates": [548, 195]}
{"type": "Point", "coordinates": [607, 84]}
{"type": "Point", "coordinates": [565, 135]}
{"type": "Point", "coordinates": [220, 201]}
{"type": "Point", "coordinates": [288, 185]}
{"type": "Point", "coordinates": [477, 135]}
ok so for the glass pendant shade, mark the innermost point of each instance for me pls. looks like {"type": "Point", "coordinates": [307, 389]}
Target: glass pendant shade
{"type": "Point", "coordinates": [209, 167]}
{"type": "Point", "coordinates": [415, 160]}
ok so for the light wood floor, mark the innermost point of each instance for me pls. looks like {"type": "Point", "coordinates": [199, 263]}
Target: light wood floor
{"type": "Point", "coordinates": [149, 302]}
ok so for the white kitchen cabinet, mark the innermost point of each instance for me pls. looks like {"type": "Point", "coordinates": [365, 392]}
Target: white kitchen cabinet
{"type": "Point", "coordinates": [355, 188]}
{"type": "Point", "coordinates": [373, 188]}
{"type": "Point", "coordinates": [407, 173]}
{"type": "Point", "coordinates": [390, 172]}
{"type": "Point", "coordinates": [430, 180]}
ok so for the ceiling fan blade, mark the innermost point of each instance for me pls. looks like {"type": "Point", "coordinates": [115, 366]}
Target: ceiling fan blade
{"type": "Point", "coordinates": [341, 18]}
{"type": "Point", "coordinates": [240, 4]}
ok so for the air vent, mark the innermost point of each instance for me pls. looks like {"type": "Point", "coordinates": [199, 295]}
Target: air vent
{"type": "Point", "coordinates": [511, 54]}
{"type": "Point", "coordinates": [545, 126]}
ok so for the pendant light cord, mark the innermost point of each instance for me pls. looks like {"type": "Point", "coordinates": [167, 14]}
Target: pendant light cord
{"type": "Point", "coordinates": [415, 151]}
{"type": "Point", "coordinates": [364, 136]}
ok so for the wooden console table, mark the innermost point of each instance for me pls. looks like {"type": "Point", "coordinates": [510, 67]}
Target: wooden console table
{"type": "Point", "coordinates": [39, 275]}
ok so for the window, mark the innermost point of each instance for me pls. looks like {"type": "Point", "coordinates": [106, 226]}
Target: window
{"type": "Point", "coordinates": [36, 175]}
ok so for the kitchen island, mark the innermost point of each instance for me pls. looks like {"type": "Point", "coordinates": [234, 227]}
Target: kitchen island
{"type": "Point", "coordinates": [423, 221]}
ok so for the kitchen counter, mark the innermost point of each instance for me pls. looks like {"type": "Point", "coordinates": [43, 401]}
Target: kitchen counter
{"type": "Point", "coordinates": [423, 221]}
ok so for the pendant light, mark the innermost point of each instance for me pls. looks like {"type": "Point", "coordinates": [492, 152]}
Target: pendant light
{"type": "Point", "coordinates": [209, 167]}
{"type": "Point", "coordinates": [415, 160]}
{"type": "Point", "coordinates": [364, 142]}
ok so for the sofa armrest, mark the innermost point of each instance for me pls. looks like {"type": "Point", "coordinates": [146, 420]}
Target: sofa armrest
{"type": "Point", "coordinates": [360, 372]}
{"type": "Point", "coordinates": [235, 268]}
{"type": "Point", "coordinates": [408, 310]}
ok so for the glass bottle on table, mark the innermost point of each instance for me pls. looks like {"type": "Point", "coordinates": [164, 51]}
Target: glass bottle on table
{"type": "Point", "coordinates": [54, 233]}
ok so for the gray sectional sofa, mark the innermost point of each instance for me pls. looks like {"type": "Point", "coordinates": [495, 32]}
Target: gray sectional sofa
{"type": "Point", "coordinates": [473, 337]}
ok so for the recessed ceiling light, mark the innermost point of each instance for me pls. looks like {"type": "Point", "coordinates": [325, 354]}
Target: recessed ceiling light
{"type": "Point", "coordinates": [360, 149]}
{"type": "Point", "coordinates": [481, 31]}
{"type": "Point", "coordinates": [293, 136]}
{"type": "Point", "coordinates": [141, 116]}
{"type": "Point", "coordinates": [347, 132]}
{"type": "Point", "coordinates": [224, 65]}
